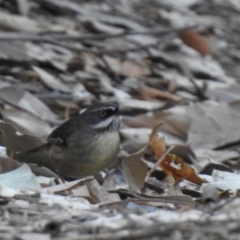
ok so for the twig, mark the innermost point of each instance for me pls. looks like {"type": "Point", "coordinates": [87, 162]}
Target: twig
{"type": "Point", "coordinates": [158, 162]}
{"type": "Point", "coordinates": [15, 36]}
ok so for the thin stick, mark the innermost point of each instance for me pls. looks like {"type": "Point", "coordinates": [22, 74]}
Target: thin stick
{"type": "Point", "coordinates": [158, 162]}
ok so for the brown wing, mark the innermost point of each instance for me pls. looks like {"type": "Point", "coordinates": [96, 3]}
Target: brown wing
{"type": "Point", "coordinates": [45, 147]}
{"type": "Point", "coordinates": [63, 132]}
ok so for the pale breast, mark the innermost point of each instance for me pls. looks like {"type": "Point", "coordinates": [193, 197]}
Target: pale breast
{"type": "Point", "coordinates": [107, 147]}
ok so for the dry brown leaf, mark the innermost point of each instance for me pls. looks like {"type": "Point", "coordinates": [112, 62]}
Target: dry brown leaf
{"type": "Point", "coordinates": [159, 161]}
{"type": "Point", "coordinates": [175, 166]}
{"type": "Point", "coordinates": [128, 67]}
{"type": "Point", "coordinates": [132, 69]}
{"type": "Point", "coordinates": [148, 93]}
{"type": "Point", "coordinates": [158, 145]}
{"type": "Point", "coordinates": [134, 169]}
{"type": "Point", "coordinates": [185, 152]}
{"type": "Point", "coordinates": [195, 41]}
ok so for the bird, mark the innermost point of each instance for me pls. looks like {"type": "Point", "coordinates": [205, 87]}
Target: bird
{"type": "Point", "coordinates": [86, 144]}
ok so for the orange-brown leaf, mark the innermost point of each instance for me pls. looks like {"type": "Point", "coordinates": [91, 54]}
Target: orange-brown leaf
{"type": "Point", "coordinates": [175, 166]}
{"type": "Point", "coordinates": [195, 41]}
{"type": "Point", "coordinates": [158, 146]}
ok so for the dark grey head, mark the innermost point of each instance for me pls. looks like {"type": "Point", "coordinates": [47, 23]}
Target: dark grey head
{"type": "Point", "coordinates": [103, 116]}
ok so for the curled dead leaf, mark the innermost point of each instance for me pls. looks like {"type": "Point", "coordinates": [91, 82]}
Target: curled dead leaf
{"type": "Point", "coordinates": [158, 145]}
{"type": "Point", "coordinates": [175, 166]}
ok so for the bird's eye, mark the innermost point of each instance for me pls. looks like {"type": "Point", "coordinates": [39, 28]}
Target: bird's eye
{"type": "Point", "coordinates": [102, 113]}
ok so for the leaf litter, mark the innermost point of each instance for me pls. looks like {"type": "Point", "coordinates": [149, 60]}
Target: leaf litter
{"type": "Point", "coordinates": [59, 57]}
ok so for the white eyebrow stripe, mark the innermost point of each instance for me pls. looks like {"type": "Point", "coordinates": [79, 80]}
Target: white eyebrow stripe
{"type": "Point", "coordinates": [103, 123]}
{"type": "Point", "coordinates": [114, 108]}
